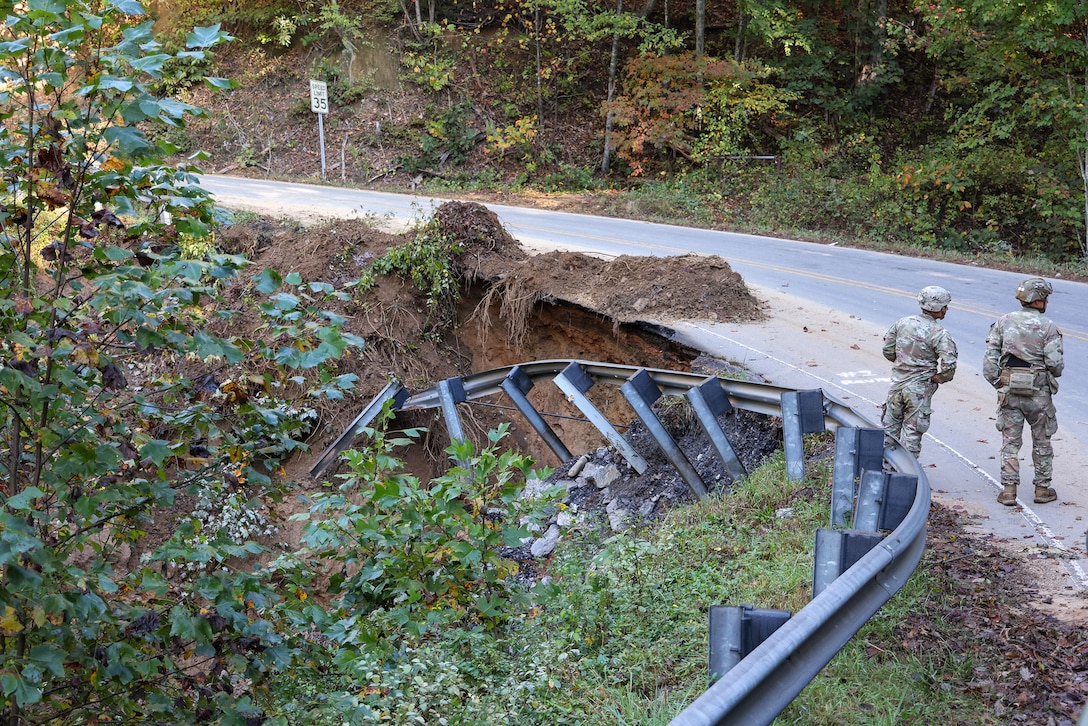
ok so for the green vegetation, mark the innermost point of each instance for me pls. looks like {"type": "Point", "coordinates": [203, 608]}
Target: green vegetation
{"type": "Point", "coordinates": [119, 400]}
{"type": "Point", "coordinates": [616, 634]}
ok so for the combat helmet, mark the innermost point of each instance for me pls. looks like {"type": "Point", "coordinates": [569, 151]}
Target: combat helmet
{"type": "Point", "coordinates": [1032, 289]}
{"type": "Point", "coordinates": [934, 298]}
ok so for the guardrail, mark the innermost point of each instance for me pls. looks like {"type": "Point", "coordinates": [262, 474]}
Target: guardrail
{"type": "Point", "coordinates": [854, 574]}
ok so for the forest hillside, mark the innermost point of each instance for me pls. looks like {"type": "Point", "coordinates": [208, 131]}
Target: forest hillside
{"type": "Point", "coordinates": [953, 128]}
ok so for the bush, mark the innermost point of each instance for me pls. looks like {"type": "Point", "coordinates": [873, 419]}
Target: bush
{"type": "Point", "coordinates": [113, 405]}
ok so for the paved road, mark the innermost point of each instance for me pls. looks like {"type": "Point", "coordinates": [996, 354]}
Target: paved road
{"type": "Point", "coordinates": [830, 306]}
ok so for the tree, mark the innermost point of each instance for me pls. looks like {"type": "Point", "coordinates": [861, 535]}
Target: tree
{"type": "Point", "coordinates": [1015, 76]}
{"type": "Point", "coordinates": [113, 398]}
{"type": "Point", "coordinates": [693, 107]}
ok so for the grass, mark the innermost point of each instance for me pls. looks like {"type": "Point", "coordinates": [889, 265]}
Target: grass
{"type": "Point", "coordinates": [617, 632]}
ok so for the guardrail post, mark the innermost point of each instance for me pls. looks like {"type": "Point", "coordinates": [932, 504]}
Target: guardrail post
{"type": "Point", "coordinates": [802, 413]}
{"type": "Point", "coordinates": [836, 552]}
{"type": "Point", "coordinates": [515, 386]}
{"type": "Point", "coordinates": [641, 392]}
{"type": "Point", "coordinates": [393, 391]}
{"type": "Point", "coordinates": [574, 381]}
{"type": "Point", "coordinates": [709, 400]}
{"type": "Point", "coordinates": [856, 449]}
{"type": "Point", "coordinates": [737, 631]}
{"type": "Point", "coordinates": [884, 499]}
{"type": "Point", "coordinates": [451, 392]}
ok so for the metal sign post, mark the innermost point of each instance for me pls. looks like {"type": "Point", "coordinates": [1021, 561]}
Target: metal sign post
{"type": "Point", "coordinates": [319, 104]}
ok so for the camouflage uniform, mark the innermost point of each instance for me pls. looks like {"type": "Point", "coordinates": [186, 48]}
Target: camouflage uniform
{"type": "Point", "coordinates": [1029, 342]}
{"type": "Point", "coordinates": [920, 348]}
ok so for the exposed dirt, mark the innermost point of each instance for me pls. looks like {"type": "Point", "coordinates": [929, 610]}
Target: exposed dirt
{"type": "Point", "coordinates": [513, 307]}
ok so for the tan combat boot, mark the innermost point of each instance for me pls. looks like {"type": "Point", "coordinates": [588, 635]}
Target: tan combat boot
{"type": "Point", "coordinates": [1045, 494]}
{"type": "Point", "coordinates": [1007, 496]}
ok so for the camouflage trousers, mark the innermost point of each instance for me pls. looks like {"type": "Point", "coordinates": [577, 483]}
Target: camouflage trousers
{"type": "Point", "coordinates": [906, 413]}
{"type": "Point", "coordinates": [1038, 412]}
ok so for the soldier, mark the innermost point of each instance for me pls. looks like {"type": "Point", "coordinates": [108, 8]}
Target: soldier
{"type": "Point", "coordinates": [924, 355]}
{"type": "Point", "coordinates": [1023, 361]}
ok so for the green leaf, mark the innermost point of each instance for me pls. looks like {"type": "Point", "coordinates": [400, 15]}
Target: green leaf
{"type": "Point", "coordinates": [206, 37]}
{"type": "Point", "coordinates": [24, 500]}
{"type": "Point", "coordinates": [54, 7]}
{"type": "Point", "coordinates": [128, 7]}
{"type": "Point", "coordinates": [116, 254]}
{"type": "Point", "coordinates": [223, 84]}
{"type": "Point", "coordinates": [268, 281]}
{"type": "Point", "coordinates": [25, 694]}
{"type": "Point", "coordinates": [129, 141]}
{"type": "Point", "coordinates": [151, 64]}
{"type": "Point", "coordinates": [157, 450]}
{"type": "Point", "coordinates": [50, 657]}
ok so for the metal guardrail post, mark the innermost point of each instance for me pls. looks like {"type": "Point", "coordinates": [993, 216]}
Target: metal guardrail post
{"type": "Point", "coordinates": [709, 401]}
{"type": "Point", "coordinates": [736, 631]}
{"type": "Point", "coordinates": [884, 499]}
{"type": "Point", "coordinates": [393, 391]}
{"type": "Point", "coordinates": [641, 392]}
{"type": "Point", "coordinates": [574, 382]}
{"type": "Point", "coordinates": [836, 552]}
{"type": "Point", "coordinates": [870, 500]}
{"type": "Point", "coordinates": [802, 413]}
{"type": "Point", "coordinates": [452, 392]}
{"type": "Point", "coordinates": [516, 385]}
{"type": "Point", "coordinates": [856, 450]}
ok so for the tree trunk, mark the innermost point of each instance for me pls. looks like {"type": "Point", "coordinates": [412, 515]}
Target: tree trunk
{"type": "Point", "coordinates": [876, 43]}
{"type": "Point", "coordinates": [537, 30]}
{"type": "Point", "coordinates": [740, 49]}
{"type": "Point", "coordinates": [613, 66]}
{"type": "Point", "coordinates": [700, 26]}
{"type": "Point", "coordinates": [1082, 153]}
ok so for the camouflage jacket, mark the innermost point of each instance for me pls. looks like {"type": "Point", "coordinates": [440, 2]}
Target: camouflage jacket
{"type": "Point", "coordinates": [1030, 336]}
{"type": "Point", "coordinates": [920, 347]}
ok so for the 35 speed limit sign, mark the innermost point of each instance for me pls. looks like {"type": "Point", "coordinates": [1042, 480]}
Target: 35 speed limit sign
{"type": "Point", "coordinates": [319, 97]}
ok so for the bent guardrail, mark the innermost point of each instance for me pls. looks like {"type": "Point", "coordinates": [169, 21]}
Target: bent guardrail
{"type": "Point", "coordinates": [849, 587]}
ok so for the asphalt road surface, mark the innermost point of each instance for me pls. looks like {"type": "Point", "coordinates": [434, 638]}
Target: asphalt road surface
{"type": "Point", "coordinates": [829, 309]}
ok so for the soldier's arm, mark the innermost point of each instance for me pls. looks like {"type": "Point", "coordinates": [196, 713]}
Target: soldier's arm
{"type": "Point", "coordinates": [991, 360]}
{"type": "Point", "coordinates": [1053, 356]}
{"type": "Point", "coordinates": [947, 357]}
{"type": "Point", "coordinates": [889, 342]}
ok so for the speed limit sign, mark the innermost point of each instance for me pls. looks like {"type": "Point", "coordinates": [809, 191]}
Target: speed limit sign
{"type": "Point", "coordinates": [319, 97]}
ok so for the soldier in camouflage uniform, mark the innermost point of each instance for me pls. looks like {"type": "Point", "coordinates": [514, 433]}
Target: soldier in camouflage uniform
{"type": "Point", "coordinates": [924, 355]}
{"type": "Point", "coordinates": [1023, 361]}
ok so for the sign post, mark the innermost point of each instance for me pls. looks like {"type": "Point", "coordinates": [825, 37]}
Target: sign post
{"type": "Point", "coordinates": [319, 104]}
